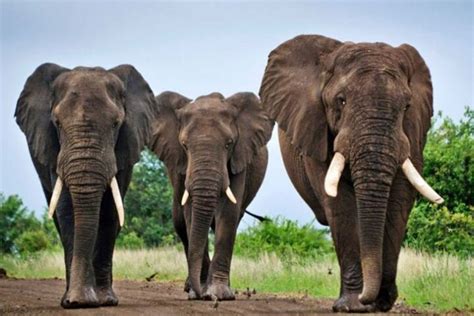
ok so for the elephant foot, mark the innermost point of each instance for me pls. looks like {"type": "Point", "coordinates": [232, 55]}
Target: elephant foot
{"type": "Point", "coordinates": [192, 295]}
{"type": "Point", "coordinates": [187, 285]}
{"type": "Point", "coordinates": [349, 303]}
{"type": "Point", "coordinates": [80, 298]}
{"type": "Point", "coordinates": [386, 298]}
{"type": "Point", "coordinates": [220, 291]}
{"type": "Point", "coordinates": [107, 296]}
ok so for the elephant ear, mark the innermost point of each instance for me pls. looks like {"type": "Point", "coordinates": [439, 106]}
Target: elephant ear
{"type": "Point", "coordinates": [291, 91]}
{"type": "Point", "coordinates": [134, 133]}
{"type": "Point", "coordinates": [165, 131]}
{"type": "Point", "coordinates": [254, 127]}
{"type": "Point", "coordinates": [33, 114]}
{"type": "Point", "coordinates": [417, 119]}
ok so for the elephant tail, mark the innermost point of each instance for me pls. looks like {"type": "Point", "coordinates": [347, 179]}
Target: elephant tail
{"type": "Point", "coordinates": [260, 218]}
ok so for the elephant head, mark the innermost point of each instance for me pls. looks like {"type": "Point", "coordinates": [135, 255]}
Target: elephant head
{"type": "Point", "coordinates": [207, 140]}
{"type": "Point", "coordinates": [84, 126]}
{"type": "Point", "coordinates": [368, 105]}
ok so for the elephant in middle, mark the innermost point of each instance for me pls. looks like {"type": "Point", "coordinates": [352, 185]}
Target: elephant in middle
{"type": "Point", "coordinates": [214, 149]}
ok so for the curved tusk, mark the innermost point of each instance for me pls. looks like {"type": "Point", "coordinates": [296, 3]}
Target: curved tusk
{"type": "Point", "coordinates": [58, 187]}
{"type": "Point", "coordinates": [230, 195]}
{"type": "Point", "coordinates": [118, 200]}
{"type": "Point", "coordinates": [185, 197]}
{"type": "Point", "coordinates": [419, 183]}
{"type": "Point", "coordinates": [334, 174]}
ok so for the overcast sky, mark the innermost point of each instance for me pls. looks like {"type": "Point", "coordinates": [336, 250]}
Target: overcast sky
{"type": "Point", "coordinates": [197, 48]}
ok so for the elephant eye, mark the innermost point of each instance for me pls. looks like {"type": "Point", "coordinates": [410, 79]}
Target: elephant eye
{"type": "Point", "coordinates": [407, 107]}
{"type": "Point", "coordinates": [341, 100]}
{"type": "Point", "coordinates": [116, 123]}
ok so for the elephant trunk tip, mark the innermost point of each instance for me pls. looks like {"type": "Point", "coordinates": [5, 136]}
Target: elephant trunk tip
{"type": "Point", "coordinates": [372, 278]}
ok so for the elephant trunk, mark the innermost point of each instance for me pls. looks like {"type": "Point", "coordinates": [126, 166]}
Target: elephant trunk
{"type": "Point", "coordinates": [86, 174]}
{"type": "Point", "coordinates": [206, 189]}
{"type": "Point", "coordinates": [373, 164]}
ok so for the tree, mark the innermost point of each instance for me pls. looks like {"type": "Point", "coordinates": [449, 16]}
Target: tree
{"type": "Point", "coordinates": [449, 168]}
{"type": "Point", "coordinates": [148, 205]}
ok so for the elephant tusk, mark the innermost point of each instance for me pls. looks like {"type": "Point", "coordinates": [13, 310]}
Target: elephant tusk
{"type": "Point", "coordinates": [419, 183]}
{"type": "Point", "coordinates": [118, 200]}
{"type": "Point", "coordinates": [334, 174]}
{"type": "Point", "coordinates": [58, 187]}
{"type": "Point", "coordinates": [185, 197]}
{"type": "Point", "coordinates": [230, 195]}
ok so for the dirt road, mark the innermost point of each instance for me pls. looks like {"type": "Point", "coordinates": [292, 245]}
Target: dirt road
{"type": "Point", "coordinates": [29, 297]}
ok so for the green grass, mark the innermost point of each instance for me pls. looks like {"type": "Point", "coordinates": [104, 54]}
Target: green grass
{"type": "Point", "coordinates": [429, 283]}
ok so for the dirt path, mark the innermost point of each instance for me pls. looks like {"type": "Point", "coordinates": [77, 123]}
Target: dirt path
{"type": "Point", "coordinates": [150, 298]}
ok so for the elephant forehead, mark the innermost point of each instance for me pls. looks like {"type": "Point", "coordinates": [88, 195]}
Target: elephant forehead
{"type": "Point", "coordinates": [209, 108]}
{"type": "Point", "coordinates": [89, 80]}
{"type": "Point", "coordinates": [368, 56]}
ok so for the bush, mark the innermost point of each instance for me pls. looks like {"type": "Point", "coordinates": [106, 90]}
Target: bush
{"type": "Point", "coordinates": [285, 238]}
{"type": "Point", "coordinates": [130, 241]}
{"type": "Point", "coordinates": [32, 241]}
{"type": "Point", "coordinates": [449, 168]}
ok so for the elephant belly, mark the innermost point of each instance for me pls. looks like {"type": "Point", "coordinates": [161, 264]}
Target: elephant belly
{"type": "Point", "coordinates": [295, 167]}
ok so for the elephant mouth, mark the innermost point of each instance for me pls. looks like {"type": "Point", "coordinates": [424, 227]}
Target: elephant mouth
{"type": "Point", "coordinates": [58, 187]}
{"type": "Point", "coordinates": [337, 165]}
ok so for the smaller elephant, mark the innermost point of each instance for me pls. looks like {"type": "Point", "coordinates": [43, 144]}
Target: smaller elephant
{"type": "Point", "coordinates": [214, 149]}
{"type": "Point", "coordinates": [85, 129]}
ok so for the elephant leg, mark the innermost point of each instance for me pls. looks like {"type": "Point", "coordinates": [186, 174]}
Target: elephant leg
{"type": "Point", "coordinates": [64, 221]}
{"type": "Point", "coordinates": [179, 223]}
{"type": "Point", "coordinates": [103, 252]}
{"type": "Point", "coordinates": [218, 281]}
{"type": "Point", "coordinates": [401, 200]}
{"type": "Point", "coordinates": [341, 214]}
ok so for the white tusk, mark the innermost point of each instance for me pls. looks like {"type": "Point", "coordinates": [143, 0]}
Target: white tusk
{"type": "Point", "coordinates": [58, 187]}
{"type": "Point", "coordinates": [419, 183]}
{"type": "Point", "coordinates": [185, 197]}
{"type": "Point", "coordinates": [118, 200]}
{"type": "Point", "coordinates": [230, 195]}
{"type": "Point", "coordinates": [334, 174]}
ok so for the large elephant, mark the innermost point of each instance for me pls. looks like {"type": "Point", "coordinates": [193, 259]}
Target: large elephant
{"type": "Point", "coordinates": [85, 129]}
{"type": "Point", "coordinates": [216, 157]}
{"type": "Point", "coordinates": [367, 106]}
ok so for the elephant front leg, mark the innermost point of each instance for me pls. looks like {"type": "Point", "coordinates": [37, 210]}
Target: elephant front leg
{"type": "Point", "coordinates": [103, 253]}
{"type": "Point", "coordinates": [64, 222]}
{"type": "Point", "coordinates": [218, 281]}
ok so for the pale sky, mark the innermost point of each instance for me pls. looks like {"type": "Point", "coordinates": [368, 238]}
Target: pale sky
{"type": "Point", "coordinates": [195, 48]}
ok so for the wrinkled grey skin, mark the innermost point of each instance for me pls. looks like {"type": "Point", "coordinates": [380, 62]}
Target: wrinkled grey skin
{"type": "Point", "coordinates": [208, 145]}
{"type": "Point", "coordinates": [86, 125]}
{"type": "Point", "coordinates": [372, 103]}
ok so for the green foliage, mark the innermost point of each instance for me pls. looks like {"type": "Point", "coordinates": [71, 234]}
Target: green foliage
{"type": "Point", "coordinates": [148, 205]}
{"type": "Point", "coordinates": [449, 168]}
{"type": "Point", "coordinates": [130, 241]}
{"type": "Point", "coordinates": [285, 238]}
{"type": "Point", "coordinates": [15, 219]}
{"type": "Point", "coordinates": [32, 241]}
